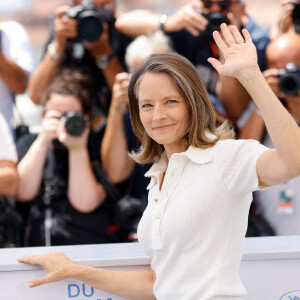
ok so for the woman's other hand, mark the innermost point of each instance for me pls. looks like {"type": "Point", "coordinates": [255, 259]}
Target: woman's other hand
{"type": "Point", "coordinates": [55, 264]}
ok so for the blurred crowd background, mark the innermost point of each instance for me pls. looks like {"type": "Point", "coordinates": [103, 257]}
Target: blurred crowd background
{"type": "Point", "coordinates": [68, 76]}
{"type": "Point", "coordinates": [37, 17]}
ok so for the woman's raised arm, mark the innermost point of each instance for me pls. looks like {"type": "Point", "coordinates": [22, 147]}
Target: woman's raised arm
{"type": "Point", "coordinates": [240, 61]}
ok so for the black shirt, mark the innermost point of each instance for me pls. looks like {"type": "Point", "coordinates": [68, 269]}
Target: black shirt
{"type": "Point", "coordinates": [70, 227]}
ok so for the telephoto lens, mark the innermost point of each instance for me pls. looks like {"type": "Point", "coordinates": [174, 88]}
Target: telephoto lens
{"type": "Point", "coordinates": [74, 122]}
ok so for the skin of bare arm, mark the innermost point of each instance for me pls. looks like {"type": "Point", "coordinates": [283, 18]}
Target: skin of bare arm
{"type": "Point", "coordinates": [139, 22]}
{"type": "Point", "coordinates": [282, 163]}
{"type": "Point", "coordinates": [114, 149]}
{"type": "Point", "coordinates": [8, 178]}
{"type": "Point", "coordinates": [13, 76]}
{"type": "Point", "coordinates": [135, 285]}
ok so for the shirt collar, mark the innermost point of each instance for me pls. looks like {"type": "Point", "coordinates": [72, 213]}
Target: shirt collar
{"type": "Point", "coordinates": [197, 155]}
{"type": "Point", "coordinates": [158, 167]}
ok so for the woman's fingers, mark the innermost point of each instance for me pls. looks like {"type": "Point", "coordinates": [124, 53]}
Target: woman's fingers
{"type": "Point", "coordinates": [228, 37]}
{"type": "Point", "coordinates": [238, 38]}
{"type": "Point", "coordinates": [247, 36]}
{"type": "Point", "coordinates": [52, 262]}
{"type": "Point", "coordinates": [38, 281]}
{"type": "Point", "coordinates": [215, 63]}
{"type": "Point", "coordinates": [33, 259]}
{"type": "Point", "coordinates": [219, 41]}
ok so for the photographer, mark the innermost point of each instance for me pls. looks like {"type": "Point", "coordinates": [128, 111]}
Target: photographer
{"type": "Point", "coordinates": [76, 43]}
{"type": "Point", "coordinates": [284, 53]}
{"type": "Point", "coordinates": [190, 31]}
{"type": "Point", "coordinates": [57, 173]}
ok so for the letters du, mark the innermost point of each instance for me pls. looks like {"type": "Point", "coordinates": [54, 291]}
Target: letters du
{"type": "Point", "coordinates": [74, 291]}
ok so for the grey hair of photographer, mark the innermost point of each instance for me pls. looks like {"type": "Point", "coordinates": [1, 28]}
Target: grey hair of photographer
{"type": "Point", "coordinates": [145, 45]}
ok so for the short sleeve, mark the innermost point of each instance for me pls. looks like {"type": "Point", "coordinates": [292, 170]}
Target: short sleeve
{"type": "Point", "coordinates": [7, 148]}
{"type": "Point", "coordinates": [236, 164]}
{"type": "Point", "coordinates": [17, 45]}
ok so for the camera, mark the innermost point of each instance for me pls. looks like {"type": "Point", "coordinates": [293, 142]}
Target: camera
{"type": "Point", "coordinates": [214, 22]}
{"type": "Point", "coordinates": [90, 19]}
{"type": "Point", "coordinates": [289, 79]}
{"type": "Point", "coordinates": [296, 17]}
{"type": "Point", "coordinates": [74, 122]}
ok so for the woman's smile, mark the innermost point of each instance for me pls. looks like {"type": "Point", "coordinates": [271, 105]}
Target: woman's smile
{"type": "Point", "coordinates": [163, 127]}
{"type": "Point", "coordinates": [163, 111]}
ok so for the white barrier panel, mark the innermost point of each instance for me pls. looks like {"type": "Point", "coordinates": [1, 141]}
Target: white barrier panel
{"type": "Point", "coordinates": [269, 270]}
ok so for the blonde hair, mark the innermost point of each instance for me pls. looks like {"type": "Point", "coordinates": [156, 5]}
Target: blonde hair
{"type": "Point", "coordinates": [202, 119]}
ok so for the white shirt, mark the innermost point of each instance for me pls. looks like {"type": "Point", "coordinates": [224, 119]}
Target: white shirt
{"type": "Point", "coordinates": [7, 145]}
{"type": "Point", "coordinates": [194, 227]}
{"type": "Point", "coordinates": [16, 46]}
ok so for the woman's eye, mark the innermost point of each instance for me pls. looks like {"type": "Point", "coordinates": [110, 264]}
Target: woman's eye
{"type": "Point", "coordinates": [171, 101]}
{"type": "Point", "coordinates": [146, 105]}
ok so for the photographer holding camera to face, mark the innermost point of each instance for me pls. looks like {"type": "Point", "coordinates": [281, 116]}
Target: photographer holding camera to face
{"type": "Point", "coordinates": [57, 172]}
{"type": "Point", "coordinates": [283, 74]}
{"type": "Point", "coordinates": [84, 38]}
{"type": "Point", "coordinates": [190, 30]}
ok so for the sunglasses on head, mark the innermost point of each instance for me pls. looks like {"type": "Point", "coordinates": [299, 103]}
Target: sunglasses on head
{"type": "Point", "coordinates": [224, 4]}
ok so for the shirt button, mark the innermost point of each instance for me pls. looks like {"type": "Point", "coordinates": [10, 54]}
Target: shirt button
{"type": "Point", "coordinates": [155, 200]}
{"type": "Point", "coordinates": [158, 215]}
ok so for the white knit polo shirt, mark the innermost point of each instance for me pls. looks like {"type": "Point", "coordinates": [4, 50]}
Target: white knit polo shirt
{"type": "Point", "coordinates": [194, 227]}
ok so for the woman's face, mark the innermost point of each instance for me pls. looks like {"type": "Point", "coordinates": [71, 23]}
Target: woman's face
{"type": "Point", "coordinates": [163, 111]}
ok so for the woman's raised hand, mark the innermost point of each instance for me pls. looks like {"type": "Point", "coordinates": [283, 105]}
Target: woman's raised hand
{"type": "Point", "coordinates": [55, 265]}
{"type": "Point", "coordinates": [239, 54]}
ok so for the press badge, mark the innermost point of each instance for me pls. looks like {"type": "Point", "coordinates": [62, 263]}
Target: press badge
{"type": "Point", "coordinates": [286, 199]}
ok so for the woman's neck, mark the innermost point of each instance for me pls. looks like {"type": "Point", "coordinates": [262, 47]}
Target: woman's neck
{"type": "Point", "coordinates": [175, 148]}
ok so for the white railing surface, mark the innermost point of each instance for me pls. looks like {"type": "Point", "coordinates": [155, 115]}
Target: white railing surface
{"type": "Point", "coordinates": [269, 270]}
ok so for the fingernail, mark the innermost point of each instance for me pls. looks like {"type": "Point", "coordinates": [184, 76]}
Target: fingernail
{"type": "Point", "coordinates": [31, 284]}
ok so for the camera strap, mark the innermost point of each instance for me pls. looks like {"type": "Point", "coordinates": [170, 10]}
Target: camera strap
{"type": "Point", "coordinates": [48, 179]}
{"type": "Point", "coordinates": [110, 188]}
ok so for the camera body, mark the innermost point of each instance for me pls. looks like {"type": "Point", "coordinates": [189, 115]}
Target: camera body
{"type": "Point", "coordinates": [214, 21]}
{"type": "Point", "coordinates": [75, 122]}
{"type": "Point", "coordinates": [90, 19]}
{"type": "Point", "coordinates": [289, 79]}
